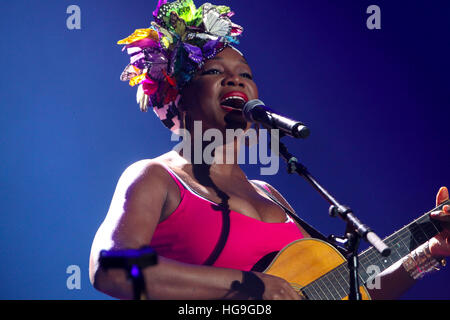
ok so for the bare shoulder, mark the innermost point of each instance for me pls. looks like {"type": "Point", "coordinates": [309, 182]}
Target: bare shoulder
{"type": "Point", "coordinates": [141, 191]}
{"type": "Point", "coordinates": [284, 202]}
{"type": "Point", "coordinates": [275, 193]}
{"type": "Point", "coordinates": [145, 172]}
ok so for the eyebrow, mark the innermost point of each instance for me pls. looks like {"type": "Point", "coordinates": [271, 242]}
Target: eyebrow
{"type": "Point", "coordinates": [220, 58]}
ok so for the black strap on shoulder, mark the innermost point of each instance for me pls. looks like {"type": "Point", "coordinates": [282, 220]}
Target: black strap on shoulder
{"type": "Point", "coordinates": [222, 241]}
{"type": "Point", "coordinates": [308, 228]}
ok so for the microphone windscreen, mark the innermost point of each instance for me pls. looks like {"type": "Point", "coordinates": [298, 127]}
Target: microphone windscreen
{"type": "Point", "coordinates": [248, 107]}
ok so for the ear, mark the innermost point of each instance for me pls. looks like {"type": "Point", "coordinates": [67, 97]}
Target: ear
{"type": "Point", "coordinates": [182, 107]}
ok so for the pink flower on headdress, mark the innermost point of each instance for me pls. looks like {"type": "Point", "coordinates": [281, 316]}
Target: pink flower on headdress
{"type": "Point", "coordinates": [149, 86]}
{"type": "Point", "coordinates": [165, 56]}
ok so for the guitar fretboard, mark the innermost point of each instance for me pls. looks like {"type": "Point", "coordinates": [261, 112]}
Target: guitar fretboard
{"type": "Point", "coordinates": [334, 285]}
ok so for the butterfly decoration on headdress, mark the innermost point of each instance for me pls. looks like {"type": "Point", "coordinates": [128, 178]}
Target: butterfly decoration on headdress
{"type": "Point", "coordinates": [165, 56]}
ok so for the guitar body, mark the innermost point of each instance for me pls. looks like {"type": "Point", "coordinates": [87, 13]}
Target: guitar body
{"type": "Point", "coordinates": [305, 260]}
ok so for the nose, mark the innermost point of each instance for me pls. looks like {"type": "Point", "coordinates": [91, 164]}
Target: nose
{"type": "Point", "coordinates": [233, 80]}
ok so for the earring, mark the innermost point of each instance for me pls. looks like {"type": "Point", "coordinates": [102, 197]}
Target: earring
{"type": "Point", "coordinates": [183, 119]}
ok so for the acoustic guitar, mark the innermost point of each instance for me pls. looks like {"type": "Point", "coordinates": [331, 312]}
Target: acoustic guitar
{"type": "Point", "coordinates": [318, 271]}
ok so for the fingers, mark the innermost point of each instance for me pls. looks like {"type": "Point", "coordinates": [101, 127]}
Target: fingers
{"type": "Point", "coordinates": [286, 292]}
{"type": "Point", "coordinates": [442, 195]}
{"type": "Point", "coordinates": [278, 289]}
{"type": "Point", "coordinates": [291, 293]}
{"type": "Point", "coordinates": [442, 215]}
{"type": "Point", "coordinates": [297, 296]}
{"type": "Point", "coordinates": [440, 245]}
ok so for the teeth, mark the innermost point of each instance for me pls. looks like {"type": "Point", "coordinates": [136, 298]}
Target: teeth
{"type": "Point", "coordinates": [233, 98]}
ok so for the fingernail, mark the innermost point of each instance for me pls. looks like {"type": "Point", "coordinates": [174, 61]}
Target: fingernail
{"type": "Point", "coordinates": [435, 213]}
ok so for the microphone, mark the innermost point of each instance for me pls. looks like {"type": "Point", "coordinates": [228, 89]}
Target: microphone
{"type": "Point", "coordinates": [256, 111]}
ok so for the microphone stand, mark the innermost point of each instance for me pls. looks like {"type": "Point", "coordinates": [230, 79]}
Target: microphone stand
{"type": "Point", "coordinates": [355, 230]}
{"type": "Point", "coordinates": [133, 261]}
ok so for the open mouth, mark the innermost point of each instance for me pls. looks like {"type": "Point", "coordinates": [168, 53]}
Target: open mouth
{"type": "Point", "coordinates": [233, 101]}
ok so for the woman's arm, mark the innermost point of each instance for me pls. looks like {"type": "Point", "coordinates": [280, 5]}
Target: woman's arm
{"type": "Point", "coordinates": [392, 283]}
{"type": "Point", "coordinates": [136, 209]}
{"type": "Point", "coordinates": [395, 280]}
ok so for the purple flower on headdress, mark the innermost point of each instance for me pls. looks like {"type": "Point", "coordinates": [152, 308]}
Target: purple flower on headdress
{"type": "Point", "coordinates": [165, 56]}
{"type": "Point", "coordinates": [209, 49]}
{"type": "Point", "coordinates": [194, 53]}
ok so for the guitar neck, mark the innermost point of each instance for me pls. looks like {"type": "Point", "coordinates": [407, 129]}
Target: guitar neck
{"type": "Point", "coordinates": [401, 242]}
{"type": "Point", "coordinates": [335, 284]}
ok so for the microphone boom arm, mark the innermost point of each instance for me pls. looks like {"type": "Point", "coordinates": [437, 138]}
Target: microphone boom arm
{"type": "Point", "coordinates": [355, 228]}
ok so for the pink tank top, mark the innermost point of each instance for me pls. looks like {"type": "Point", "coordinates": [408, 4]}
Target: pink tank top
{"type": "Point", "coordinates": [198, 226]}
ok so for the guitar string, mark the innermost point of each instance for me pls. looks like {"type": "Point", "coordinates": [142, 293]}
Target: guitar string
{"type": "Point", "coordinates": [326, 278]}
{"type": "Point", "coordinates": [343, 291]}
{"type": "Point", "coordinates": [343, 267]}
{"type": "Point", "coordinates": [323, 278]}
{"type": "Point", "coordinates": [320, 283]}
{"type": "Point", "coordinates": [427, 229]}
{"type": "Point", "coordinates": [399, 236]}
{"type": "Point", "coordinates": [369, 255]}
{"type": "Point", "coordinates": [330, 296]}
{"type": "Point", "coordinates": [307, 293]}
{"type": "Point", "coordinates": [320, 292]}
{"type": "Point", "coordinates": [323, 290]}
{"type": "Point", "coordinates": [372, 256]}
{"type": "Point", "coordinates": [416, 231]}
{"type": "Point", "coordinates": [416, 222]}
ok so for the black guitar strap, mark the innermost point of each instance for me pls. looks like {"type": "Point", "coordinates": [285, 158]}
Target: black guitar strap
{"type": "Point", "coordinates": [308, 228]}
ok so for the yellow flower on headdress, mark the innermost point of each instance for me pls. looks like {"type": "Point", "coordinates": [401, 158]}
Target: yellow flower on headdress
{"type": "Point", "coordinates": [140, 34]}
{"type": "Point", "coordinates": [138, 79]}
{"type": "Point", "coordinates": [165, 57]}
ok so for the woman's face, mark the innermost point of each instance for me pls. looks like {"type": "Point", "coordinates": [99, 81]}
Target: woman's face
{"type": "Point", "coordinates": [218, 92]}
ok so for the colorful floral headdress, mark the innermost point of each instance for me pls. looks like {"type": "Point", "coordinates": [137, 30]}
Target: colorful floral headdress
{"type": "Point", "coordinates": [164, 57]}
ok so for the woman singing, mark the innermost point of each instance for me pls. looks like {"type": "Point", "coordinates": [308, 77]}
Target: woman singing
{"type": "Point", "coordinates": [209, 224]}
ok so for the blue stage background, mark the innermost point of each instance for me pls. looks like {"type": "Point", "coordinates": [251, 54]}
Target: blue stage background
{"type": "Point", "coordinates": [377, 103]}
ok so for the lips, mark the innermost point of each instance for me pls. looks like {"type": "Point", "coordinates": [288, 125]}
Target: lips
{"type": "Point", "coordinates": [233, 100]}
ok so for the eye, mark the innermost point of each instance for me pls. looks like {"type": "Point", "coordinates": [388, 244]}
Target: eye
{"type": "Point", "coordinates": [211, 71]}
{"type": "Point", "coordinates": [247, 75]}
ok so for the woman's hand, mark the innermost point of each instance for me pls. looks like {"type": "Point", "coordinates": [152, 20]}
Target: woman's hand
{"type": "Point", "coordinates": [440, 244]}
{"type": "Point", "coordinates": [277, 288]}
